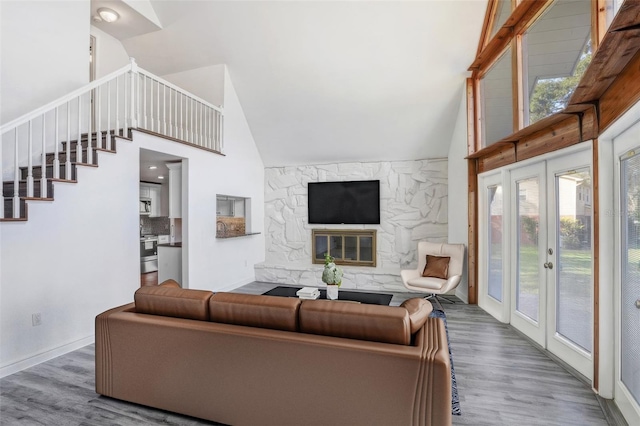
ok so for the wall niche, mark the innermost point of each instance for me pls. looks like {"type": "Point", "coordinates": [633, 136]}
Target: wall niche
{"type": "Point", "coordinates": [232, 216]}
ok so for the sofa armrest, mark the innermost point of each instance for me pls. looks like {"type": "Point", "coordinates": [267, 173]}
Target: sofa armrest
{"type": "Point", "coordinates": [103, 348]}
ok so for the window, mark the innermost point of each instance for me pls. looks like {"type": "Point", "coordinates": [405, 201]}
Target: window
{"type": "Point", "coordinates": [497, 98]}
{"type": "Point", "coordinates": [530, 72]}
{"type": "Point", "coordinates": [556, 52]}
{"type": "Point", "coordinates": [348, 247]}
{"type": "Point", "coordinates": [502, 12]}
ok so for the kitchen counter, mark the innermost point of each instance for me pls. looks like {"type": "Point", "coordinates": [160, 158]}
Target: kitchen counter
{"type": "Point", "coordinates": [236, 235]}
{"type": "Point", "coordinates": [175, 245]}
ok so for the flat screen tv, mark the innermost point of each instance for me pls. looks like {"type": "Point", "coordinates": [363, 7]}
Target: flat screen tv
{"type": "Point", "coordinates": [351, 202]}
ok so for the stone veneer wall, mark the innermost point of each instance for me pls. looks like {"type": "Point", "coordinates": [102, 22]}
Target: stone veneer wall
{"type": "Point", "coordinates": [413, 207]}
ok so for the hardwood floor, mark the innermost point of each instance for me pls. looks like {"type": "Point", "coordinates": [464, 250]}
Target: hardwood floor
{"type": "Point", "coordinates": [502, 380]}
{"type": "Point", "coordinates": [150, 278]}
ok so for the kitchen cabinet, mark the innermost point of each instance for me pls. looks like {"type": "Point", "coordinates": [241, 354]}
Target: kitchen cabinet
{"type": "Point", "coordinates": [175, 190]}
{"type": "Point", "coordinates": [144, 191]}
{"type": "Point", "coordinates": [154, 193]}
{"type": "Point", "coordinates": [169, 263]}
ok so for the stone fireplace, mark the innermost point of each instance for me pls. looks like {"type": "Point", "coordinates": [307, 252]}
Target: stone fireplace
{"type": "Point", "coordinates": [413, 207]}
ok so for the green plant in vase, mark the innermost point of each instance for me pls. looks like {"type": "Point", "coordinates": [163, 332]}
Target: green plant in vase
{"type": "Point", "coordinates": [332, 276]}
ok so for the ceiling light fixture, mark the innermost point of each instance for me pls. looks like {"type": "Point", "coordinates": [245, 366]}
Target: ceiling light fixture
{"type": "Point", "coordinates": [153, 167]}
{"type": "Point", "coordinates": [108, 15]}
{"type": "Point", "coordinates": [160, 177]}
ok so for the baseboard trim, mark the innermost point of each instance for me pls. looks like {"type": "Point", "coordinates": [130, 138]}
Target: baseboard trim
{"type": "Point", "coordinates": [45, 356]}
{"type": "Point", "coordinates": [611, 412]}
{"type": "Point", "coordinates": [237, 284]}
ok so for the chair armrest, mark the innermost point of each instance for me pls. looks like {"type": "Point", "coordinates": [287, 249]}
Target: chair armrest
{"type": "Point", "coordinates": [409, 274]}
{"type": "Point", "coordinates": [451, 283]}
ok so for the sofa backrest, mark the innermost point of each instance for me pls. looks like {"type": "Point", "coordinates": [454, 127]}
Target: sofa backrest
{"type": "Point", "coordinates": [171, 301]}
{"type": "Point", "coordinates": [278, 313]}
{"type": "Point", "coordinates": [376, 323]}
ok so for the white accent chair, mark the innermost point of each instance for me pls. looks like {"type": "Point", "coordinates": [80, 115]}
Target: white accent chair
{"type": "Point", "coordinates": [414, 281]}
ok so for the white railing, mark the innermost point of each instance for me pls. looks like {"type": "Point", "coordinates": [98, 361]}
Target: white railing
{"type": "Point", "coordinates": [129, 98]}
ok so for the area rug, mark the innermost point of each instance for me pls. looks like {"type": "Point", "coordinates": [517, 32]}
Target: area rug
{"type": "Point", "coordinates": [455, 401]}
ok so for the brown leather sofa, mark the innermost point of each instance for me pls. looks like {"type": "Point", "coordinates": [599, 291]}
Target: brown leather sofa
{"type": "Point", "coordinates": [262, 360]}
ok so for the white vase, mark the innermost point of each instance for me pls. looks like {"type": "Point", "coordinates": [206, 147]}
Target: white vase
{"type": "Point", "coordinates": [332, 292]}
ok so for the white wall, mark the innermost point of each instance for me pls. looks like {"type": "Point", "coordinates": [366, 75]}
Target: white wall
{"type": "Point", "coordinates": [73, 258]}
{"type": "Point", "coordinates": [110, 55]}
{"type": "Point", "coordinates": [458, 203]}
{"type": "Point", "coordinates": [44, 47]}
{"type": "Point", "coordinates": [79, 255]}
{"type": "Point", "coordinates": [205, 82]}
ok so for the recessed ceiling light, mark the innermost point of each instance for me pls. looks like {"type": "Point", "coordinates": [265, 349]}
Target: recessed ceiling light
{"type": "Point", "coordinates": [108, 15]}
{"type": "Point", "coordinates": [153, 167]}
{"type": "Point", "coordinates": [160, 177]}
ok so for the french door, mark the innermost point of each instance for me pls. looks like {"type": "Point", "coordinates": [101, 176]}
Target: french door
{"type": "Point", "coordinates": [627, 282]}
{"type": "Point", "coordinates": [537, 271]}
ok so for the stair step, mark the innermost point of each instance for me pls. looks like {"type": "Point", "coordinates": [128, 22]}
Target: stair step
{"type": "Point", "coordinates": [8, 210]}
{"type": "Point", "coordinates": [37, 171]}
{"type": "Point", "coordinates": [62, 156]}
{"type": "Point", "coordinates": [8, 188]}
{"type": "Point", "coordinates": [94, 143]}
{"type": "Point", "coordinates": [84, 139]}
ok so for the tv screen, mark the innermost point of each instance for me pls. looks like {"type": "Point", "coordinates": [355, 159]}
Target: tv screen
{"type": "Point", "coordinates": [353, 202]}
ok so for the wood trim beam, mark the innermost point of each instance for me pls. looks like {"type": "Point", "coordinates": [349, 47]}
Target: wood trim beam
{"type": "Point", "coordinates": [489, 19]}
{"type": "Point", "coordinates": [616, 51]}
{"type": "Point", "coordinates": [472, 234]}
{"type": "Point", "coordinates": [471, 117]}
{"type": "Point", "coordinates": [553, 138]}
{"type": "Point", "coordinates": [598, 22]}
{"type": "Point", "coordinates": [517, 22]}
{"type": "Point", "coordinates": [622, 94]}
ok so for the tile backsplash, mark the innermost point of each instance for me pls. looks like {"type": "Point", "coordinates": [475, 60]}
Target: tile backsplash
{"type": "Point", "coordinates": [154, 225]}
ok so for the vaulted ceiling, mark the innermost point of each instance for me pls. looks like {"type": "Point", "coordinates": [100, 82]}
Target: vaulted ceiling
{"type": "Point", "coordinates": [320, 81]}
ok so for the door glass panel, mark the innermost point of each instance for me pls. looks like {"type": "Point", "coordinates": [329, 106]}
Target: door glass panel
{"type": "Point", "coordinates": [528, 277]}
{"type": "Point", "coordinates": [494, 195]}
{"type": "Point", "coordinates": [574, 272]}
{"type": "Point", "coordinates": [630, 314]}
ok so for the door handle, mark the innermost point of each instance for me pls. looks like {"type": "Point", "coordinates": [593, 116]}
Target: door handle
{"type": "Point", "coordinates": [548, 265]}
{"type": "Point", "coordinates": [638, 303]}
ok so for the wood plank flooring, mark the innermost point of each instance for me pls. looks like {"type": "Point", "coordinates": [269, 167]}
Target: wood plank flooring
{"type": "Point", "coordinates": [502, 380]}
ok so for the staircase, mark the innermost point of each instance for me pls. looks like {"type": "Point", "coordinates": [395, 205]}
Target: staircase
{"type": "Point", "coordinates": [73, 153]}
{"type": "Point", "coordinates": [90, 120]}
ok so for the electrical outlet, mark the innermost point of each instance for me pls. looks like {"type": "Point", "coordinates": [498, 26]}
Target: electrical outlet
{"type": "Point", "coordinates": [36, 319]}
{"type": "Point", "coordinates": [246, 263]}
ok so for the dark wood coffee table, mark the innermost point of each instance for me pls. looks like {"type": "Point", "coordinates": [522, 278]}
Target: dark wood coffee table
{"type": "Point", "coordinates": [354, 296]}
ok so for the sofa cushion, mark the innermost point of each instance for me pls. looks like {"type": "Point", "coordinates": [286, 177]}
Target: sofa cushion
{"type": "Point", "coordinates": [419, 310]}
{"type": "Point", "coordinates": [278, 313]}
{"type": "Point", "coordinates": [376, 323]}
{"type": "Point", "coordinates": [173, 301]}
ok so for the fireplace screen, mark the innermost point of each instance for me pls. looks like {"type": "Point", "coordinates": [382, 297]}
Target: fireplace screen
{"type": "Point", "coordinates": [348, 247]}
